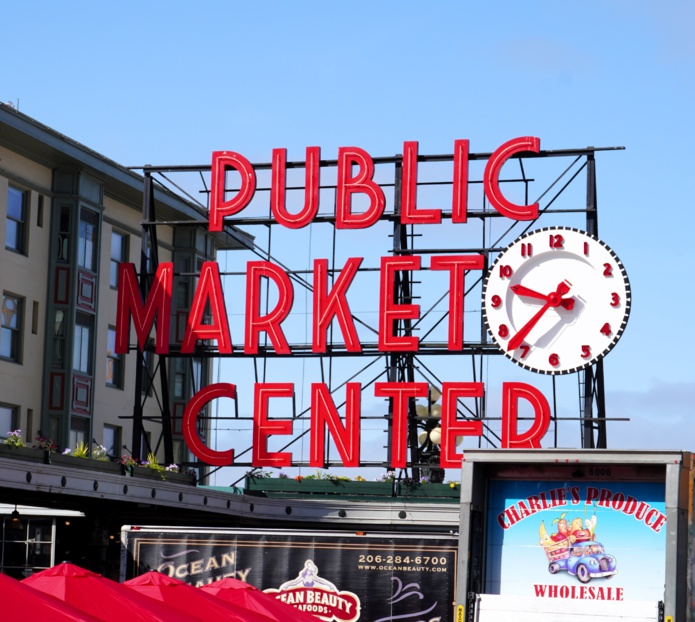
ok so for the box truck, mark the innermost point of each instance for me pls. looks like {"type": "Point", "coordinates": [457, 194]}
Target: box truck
{"type": "Point", "coordinates": [570, 535]}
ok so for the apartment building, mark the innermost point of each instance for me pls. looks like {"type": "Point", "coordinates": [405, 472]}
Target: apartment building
{"type": "Point", "coordinates": [70, 216]}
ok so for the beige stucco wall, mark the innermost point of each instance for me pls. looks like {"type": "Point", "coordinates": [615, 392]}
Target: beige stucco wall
{"type": "Point", "coordinates": [26, 276]}
{"type": "Point", "coordinates": [22, 384]}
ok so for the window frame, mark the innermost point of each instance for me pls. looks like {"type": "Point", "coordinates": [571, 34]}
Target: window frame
{"type": "Point", "coordinates": [116, 361]}
{"type": "Point", "coordinates": [14, 418]}
{"type": "Point", "coordinates": [20, 242]}
{"type": "Point", "coordinates": [16, 333]}
{"type": "Point", "coordinates": [117, 440]}
{"type": "Point", "coordinates": [84, 348]}
{"type": "Point", "coordinates": [87, 249]}
{"type": "Point", "coordinates": [116, 261]}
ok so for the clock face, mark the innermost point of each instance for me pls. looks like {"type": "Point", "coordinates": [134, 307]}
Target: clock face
{"type": "Point", "coordinates": [556, 300]}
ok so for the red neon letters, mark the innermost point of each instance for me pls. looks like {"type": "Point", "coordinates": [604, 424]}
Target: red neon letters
{"type": "Point", "coordinates": [362, 183]}
{"type": "Point", "coordinates": [324, 415]}
{"type": "Point", "coordinates": [355, 185]}
{"type": "Point", "coordinates": [327, 305]}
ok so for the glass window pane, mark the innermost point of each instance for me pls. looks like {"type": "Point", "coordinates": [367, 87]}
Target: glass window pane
{"type": "Point", "coordinates": [10, 309]}
{"type": "Point", "coordinates": [118, 255]}
{"type": "Point", "coordinates": [87, 242]}
{"type": "Point", "coordinates": [12, 235]}
{"type": "Point", "coordinates": [116, 246]}
{"type": "Point", "coordinates": [82, 344]}
{"type": "Point", "coordinates": [16, 217]}
{"type": "Point", "coordinates": [39, 555]}
{"type": "Point", "coordinates": [6, 343]}
{"type": "Point", "coordinates": [40, 529]}
{"type": "Point", "coordinates": [11, 327]}
{"type": "Point", "coordinates": [15, 204]}
{"type": "Point", "coordinates": [79, 429]}
{"type": "Point", "coordinates": [113, 274]}
{"type": "Point", "coordinates": [112, 442]}
{"type": "Point", "coordinates": [6, 419]}
{"type": "Point", "coordinates": [113, 360]}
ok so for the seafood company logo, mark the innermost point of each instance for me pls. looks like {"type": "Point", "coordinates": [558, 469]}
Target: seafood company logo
{"type": "Point", "coordinates": [310, 593]}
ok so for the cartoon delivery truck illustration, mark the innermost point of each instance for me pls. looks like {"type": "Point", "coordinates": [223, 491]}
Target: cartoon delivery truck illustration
{"type": "Point", "coordinates": [574, 549]}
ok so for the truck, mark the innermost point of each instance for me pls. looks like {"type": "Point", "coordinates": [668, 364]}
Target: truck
{"type": "Point", "coordinates": [338, 576]}
{"type": "Point", "coordinates": [574, 535]}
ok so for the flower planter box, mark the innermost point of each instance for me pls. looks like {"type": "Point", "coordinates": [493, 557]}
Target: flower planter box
{"type": "Point", "coordinates": [28, 454]}
{"type": "Point", "coordinates": [103, 466]}
{"type": "Point", "coordinates": [430, 491]}
{"type": "Point", "coordinates": [271, 486]}
{"type": "Point", "coordinates": [163, 476]}
{"type": "Point", "coordinates": [277, 487]}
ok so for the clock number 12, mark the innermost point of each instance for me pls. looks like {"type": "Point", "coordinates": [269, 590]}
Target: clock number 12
{"type": "Point", "coordinates": [557, 241]}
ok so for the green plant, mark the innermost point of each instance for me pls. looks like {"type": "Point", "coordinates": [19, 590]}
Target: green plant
{"type": "Point", "coordinates": [129, 461]}
{"type": "Point", "coordinates": [337, 478]}
{"type": "Point", "coordinates": [151, 463]}
{"type": "Point", "coordinates": [259, 474]}
{"type": "Point", "coordinates": [81, 450]}
{"type": "Point", "coordinates": [14, 439]}
{"type": "Point", "coordinates": [45, 443]}
{"type": "Point", "coordinates": [99, 453]}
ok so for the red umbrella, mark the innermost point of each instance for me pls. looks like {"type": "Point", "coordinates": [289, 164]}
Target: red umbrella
{"type": "Point", "coordinates": [103, 598]}
{"type": "Point", "coordinates": [21, 602]}
{"type": "Point", "coordinates": [250, 597]}
{"type": "Point", "coordinates": [190, 599]}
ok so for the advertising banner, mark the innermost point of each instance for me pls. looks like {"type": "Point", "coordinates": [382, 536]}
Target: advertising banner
{"type": "Point", "coordinates": [587, 541]}
{"type": "Point", "coordinates": [336, 578]}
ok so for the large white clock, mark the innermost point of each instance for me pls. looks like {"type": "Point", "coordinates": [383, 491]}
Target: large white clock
{"type": "Point", "coordinates": [556, 300]}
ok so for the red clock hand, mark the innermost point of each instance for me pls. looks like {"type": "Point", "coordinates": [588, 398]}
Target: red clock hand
{"type": "Point", "coordinates": [552, 300]}
{"type": "Point", "coordinates": [522, 290]}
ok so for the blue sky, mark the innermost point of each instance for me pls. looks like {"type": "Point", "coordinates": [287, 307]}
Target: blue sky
{"type": "Point", "coordinates": [169, 82]}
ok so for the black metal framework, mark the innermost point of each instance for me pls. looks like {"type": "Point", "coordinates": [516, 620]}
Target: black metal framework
{"type": "Point", "coordinates": [557, 173]}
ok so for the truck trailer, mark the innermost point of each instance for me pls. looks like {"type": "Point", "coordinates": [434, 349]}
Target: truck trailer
{"type": "Point", "coordinates": [573, 535]}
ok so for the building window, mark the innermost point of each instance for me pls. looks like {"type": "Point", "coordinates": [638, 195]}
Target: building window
{"type": "Point", "coordinates": [114, 362]}
{"type": "Point", "coordinates": [87, 241]}
{"type": "Point", "coordinates": [112, 440]}
{"type": "Point", "coordinates": [63, 251]}
{"type": "Point", "coordinates": [82, 347]}
{"type": "Point", "coordinates": [11, 331]}
{"type": "Point", "coordinates": [59, 338]}
{"type": "Point", "coordinates": [119, 254]}
{"type": "Point", "coordinates": [79, 432]}
{"type": "Point", "coordinates": [9, 419]}
{"type": "Point", "coordinates": [147, 372]}
{"type": "Point", "coordinates": [15, 227]}
{"type": "Point", "coordinates": [27, 545]}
